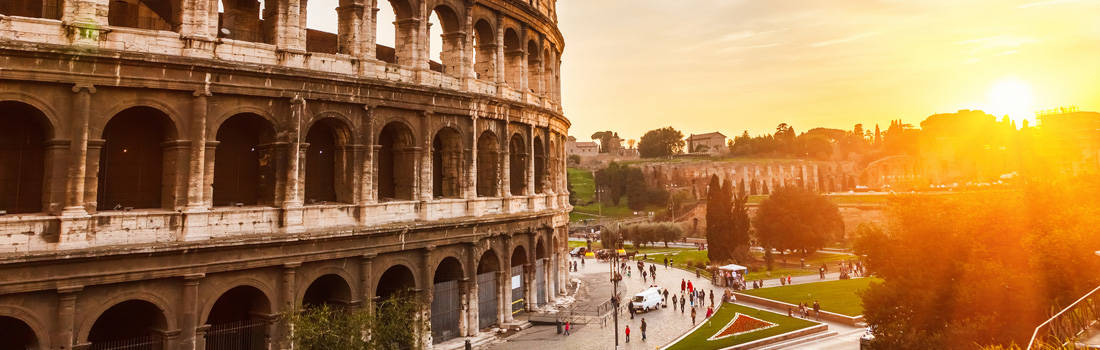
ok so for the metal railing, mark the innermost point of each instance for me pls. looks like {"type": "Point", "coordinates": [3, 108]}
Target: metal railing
{"type": "Point", "coordinates": [239, 335]}
{"type": "Point", "coordinates": [1068, 324]}
{"type": "Point", "coordinates": [148, 342]}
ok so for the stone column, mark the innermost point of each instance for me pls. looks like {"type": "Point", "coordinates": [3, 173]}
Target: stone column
{"type": "Point", "coordinates": [471, 316]}
{"type": "Point", "coordinates": [78, 147]}
{"type": "Point", "coordinates": [196, 165]}
{"type": "Point", "coordinates": [370, 30]}
{"type": "Point", "coordinates": [189, 311]}
{"type": "Point", "coordinates": [506, 283]}
{"type": "Point", "coordinates": [291, 192]}
{"type": "Point", "coordinates": [91, 174]}
{"type": "Point", "coordinates": [424, 173]}
{"type": "Point", "coordinates": [467, 70]}
{"type": "Point", "coordinates": [287, 300]}
{"type": "Point", "coordinates": [471, 160]}
{"type": "Point", "coordinates": [351, 20]}
{"type": "Point", "coordinates": [56, 159]}
{"type": "Point", "coordinates": [426, 292]}
{"type": "Point", "coordinates": [530, 161]}
{"type": "Point", "coordinates": [64, 332]}
{"type": "Point", "coordinates": [196, 18]}
{"type": "Point", "coordinates": [407, 50]}
{"type": "Point", "coordinates": [366, 281]}
{"type": "Point", "coordinates": [208, 173]}
{"type": "Point", "coordinates": [499, 59]}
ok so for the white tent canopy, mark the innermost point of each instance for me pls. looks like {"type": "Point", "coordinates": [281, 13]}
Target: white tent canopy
{"type": "Point", "coordinates": [733, 267]}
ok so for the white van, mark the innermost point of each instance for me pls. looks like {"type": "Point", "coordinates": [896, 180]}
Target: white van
{"type": "Point", "coordinates": [649, 299]}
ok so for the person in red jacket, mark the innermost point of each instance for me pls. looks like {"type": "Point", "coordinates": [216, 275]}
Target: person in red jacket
{"type": "Point", "coordinates": [682, 285]}
{"type": "Point", "coordinates": [627, 333]}
{"type": "Point", "coordinates": [710, 311]}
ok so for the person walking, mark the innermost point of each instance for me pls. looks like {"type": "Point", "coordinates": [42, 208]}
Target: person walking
{"type": "Point", "coordinates": [682, 285]}
{"type": "Point", "coordinates": [627, 333]}
{"type": "Point", "coordinates": [631, 308]}
{"type": "Point", "coordinates": [692, 315]}
{"type": "Point", "coordinates": [691, 288]}
{"type": "Point", "coordinates": [788, 279]}
{"type": "Point", "coordinates": [711, 298]}
{"type": "Point", "coordinates": [642, 327]}
{"type": "Point", "coordinates": [682, 303]}
{"type": "Point", "coordinates": [710, 311]}
{"type": "Point", "coordinates": [666, 263]}
{"type": "Point", "coordinates": [817, 310]}
{"type": "Point", "coordinates": [674, 303]}
{"type": "Point", "coordinates": [566, 327]}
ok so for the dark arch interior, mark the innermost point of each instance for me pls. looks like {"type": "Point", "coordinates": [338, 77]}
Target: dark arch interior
{"type": "Point", "coordinates": [238, 320]}
{"type": "Point", "coordinates": [244, 162]}
{"type": "Point", "coordinates": [396, 279]}
{"type": "Point", "coordinates": [447, 164]}
{"type": "Point", "coordinates": [484, 50]}
{"type": "Point", "coordinates": [31, 8]}
{"type": "Point", "coordinates": [449, 270]}
{"type": "Point", "coordinates": [540, 166]}
{"type": "Point", "coordinates": [396, 163]}
{"type": "Point", "coordinates": [488, 262]}
{"type": "Point", "coordinates": [519, 256]}
{"type": "Point", "coordinates": [517, 166]}
{"type": "Point", "coordinates": [321, 163]}
{"type": "Point", "coordinates": [22, 157]}
{"type": "Point", "coordinates": [242, 19]}
{"type": "Point", "coordinates": [132, 160]}
{"type": "Point", "coordinates": [513, 58]}
{"type": "Point", "coordinates": [145, 14]}
{"type": "Point", "coordinates": [488, 163]}
{"type": "Point", "coordinates": [16, 334]}
{"type": "Point", "coordinates": [540, 250]}
{"type": "Point", "coordinates": [131, 321]}
{"type": "Point", "coordinates": [329, 290]}
{"type": "Point", "coordinates": [534, 71]}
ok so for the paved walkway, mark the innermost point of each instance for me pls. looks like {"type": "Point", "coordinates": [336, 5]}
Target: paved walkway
{"type": "Point", "coordinates": [664, 325]}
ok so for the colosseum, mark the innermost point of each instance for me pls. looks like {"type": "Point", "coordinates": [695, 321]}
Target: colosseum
{"type": "Point", "coordinates": [175, 174]}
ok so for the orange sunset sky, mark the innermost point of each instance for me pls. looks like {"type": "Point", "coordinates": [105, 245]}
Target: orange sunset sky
{"type": "Point", "coordinates": [734, 65]}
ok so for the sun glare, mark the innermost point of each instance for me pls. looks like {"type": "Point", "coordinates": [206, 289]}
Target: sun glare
{"type": "Point", "coordinates": [1013, 97]}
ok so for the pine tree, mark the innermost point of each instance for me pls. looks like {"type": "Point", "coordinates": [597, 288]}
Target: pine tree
{"type": "Point", "coordinates": [739, 226]}
{"type": "Point", "coordinates": [715, 218]}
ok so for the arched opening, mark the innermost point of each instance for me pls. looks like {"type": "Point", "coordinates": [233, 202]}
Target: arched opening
{"type": "Point", "coordinates": [396, 280]}
{"type": "Point", "coordinates": [553, 163]}
{"type": "Point", "coordinates": [331, 290]}
{"type": "Point", "coordinates": [513, 58]}
{"type": "Point", "coordinates": [488, 289]}
{"type": "Point", "coordinates": [485, 49]}
{"type": "Point", "coordinates": [132, 161]}
{"type": "Point", "coordinates": [145, 14]}
{"type": "Point", "coordinates": [447, 164]}
{"type": "Point", "coordinates": [327, 170]}
{"type": "Point", "coordinates": [22, 157]}
{"type": "Point", "coordinates": [244, 162]}
{"type": "Point", "coordinates": [132, 324]}
{"type": "Point", "coordinates": [50, 9]}
{"type": "Point", "coordinates": [534, 68]}
{"type": "Point", "coordinates": [396, 162]}
{"type": "Point", "coordinates": [396, 28]}
{"type": "Point", "coordinates": [517, 163]}
{"type": "Point", "coordinates": [16, 334]}
{"type": "Point", "coordinates": [247, 20]}
{"type": "Point", "coordinates": [488, 165]}
{"type": "Point", "coordinates": [322, 33]}
{"type": "Point", "coordinates": [540, 166]}
{"type": "Point", "coordinates": [549, 72]}
{"type": "Point", "coordinates": [239, 320]}
{"type": "Point", "coordinates": [446, 48]}
{"type": "Point", "coordinates": [519, 280]}
{"type": "Point", "coordinates": [446, 300]}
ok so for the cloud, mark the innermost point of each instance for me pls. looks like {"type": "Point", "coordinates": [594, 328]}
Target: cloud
{"type": "Point", "coordinates": [843, 40]}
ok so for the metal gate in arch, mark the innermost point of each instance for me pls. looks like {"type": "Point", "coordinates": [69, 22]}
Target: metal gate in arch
{"type": "Point", "coordinates": [540, 282]}
{"type": "Point", "coordinates": [446, 309]}
{"type": "Point", "coordinates": [518, 290]}
{"type": "Point", "coordinates": [487, 301]}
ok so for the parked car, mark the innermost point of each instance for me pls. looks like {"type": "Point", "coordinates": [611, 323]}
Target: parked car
{"type": "Point", "coordinates": [649, 299]}
{"type": "Point", "coordinates": [578, 252]}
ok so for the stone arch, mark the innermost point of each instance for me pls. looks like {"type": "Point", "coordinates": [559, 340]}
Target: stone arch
{"type": "Point", "coordinates": [238, 318]}
{"type": "Point", "coordinates": [550, 73]}
{"type": "Point", "coordinates": [489, 261]}
{"type": "Point", "coordinates": [215, 124]}
{"type": "Point", "coordinates": [488, 165]}
{"type": "Point", "coordinates": [329, 289]}
{"type": "Point", "coordinates": [540, 165]}
{"type": "Point", "coordinates": [485, 49]}
{"type": "Point", "coordinates": [211, 295]}
{"type": "Point", "coordinates": [146, 14]}
{"type": "Point", "coordinates": [20, 329]}
{"type": "Point", "coordinates": [135, 163]}
{"type": "Point", "coordinates": [244, 161]}
{"type": "Point", "coordinates": [519, 256]}
{"type": "Point", "coordinates": [513, 59]}
{"type": "Point", "coordinates": [540, 248]}
{"type": "Point", "coordinates": [396, 278]}
{"type": "Point", "coordinates": [329, 168]}
{"type": "Point", "coordinates": [447, 163]}
{"type": "Point", "coordinates": [396, 166]}
{"type": "Point", "coordinates": [57, 128]}
{"type": "Point", "coordinates": [534, 68]}
{"type": "Point", "coordinates": [23, 158]}
{"type": "Point", "coordinates": [406, 26]}
{"type": "Point", "coordinates": [451, 39]}
{"type": "Point", "coordinates": [446, 299]}
{"type": "Point", "coordinates": [129, 319]}
{"type": "Point", "coordinates": [517, 164]}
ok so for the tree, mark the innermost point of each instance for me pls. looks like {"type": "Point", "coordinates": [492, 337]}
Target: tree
{"type": "Point", "coordinates": [574, 159]}
{"type": "Point", "coordinates": [606, 138]}
{"type": "Point", "coordinates": [794, 218]}
{"type": "Point", "coordinates": [394, 325]}
{"type": "Point", "coordinates": [740, 225]}
{"type": "Point", "coordinates": [718, 209]}
{"type": "Point", "coordinates": [610, 238]}
{"type": "Point", "coordinates": [981, 268]}
{"type": "Point", "coordinates": [663, 142]}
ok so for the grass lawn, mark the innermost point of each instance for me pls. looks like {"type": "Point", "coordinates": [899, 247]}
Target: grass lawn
{"type": "Point", "coordinates": [698, 338]}
{"type": "Point", "coordinates": [813, 260]}
{"type": "Point", "coordinates": [584, 189]}
{"type": "Point", "coordinates": [835, 296]}
{"type": "Point", "coordinates": [649, 249]}
{"type": "Point", "coordinates": [687, 258]}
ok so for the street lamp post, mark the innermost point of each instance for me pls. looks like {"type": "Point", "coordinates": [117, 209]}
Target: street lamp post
{"type": "Point", "coordinates": [615, 293]}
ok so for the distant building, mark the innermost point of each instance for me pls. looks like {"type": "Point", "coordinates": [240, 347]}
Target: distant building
{"type": "Point", "coordinates": [1073, 139]}
{"type": "Point", "coordinates": [583, 149]}
{"type": "Point", "coordinates": [712, 143]}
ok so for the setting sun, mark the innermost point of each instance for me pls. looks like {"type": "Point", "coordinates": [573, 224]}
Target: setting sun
{"type": "Point", "coordinates": [1012, 97]}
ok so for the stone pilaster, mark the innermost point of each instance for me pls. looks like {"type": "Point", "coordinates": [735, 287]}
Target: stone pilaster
{"type": "Point", "coordinates": [196, 164]}
{"type": "Point", "coordinates": [189, 311]}
{"type": "Point", "coordinates": [78, 147]}
{"type": "Point", "coordinates": [64, 331]}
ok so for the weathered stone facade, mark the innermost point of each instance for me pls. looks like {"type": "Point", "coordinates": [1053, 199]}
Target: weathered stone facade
{"type": "Point", "coordinates": [760, 176]}
{"type": "Point", "coordinates": [182, 176]}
